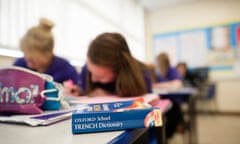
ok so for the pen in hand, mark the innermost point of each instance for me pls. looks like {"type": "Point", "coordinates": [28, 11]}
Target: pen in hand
{"type": "Point", "coordinates": [70, 88]}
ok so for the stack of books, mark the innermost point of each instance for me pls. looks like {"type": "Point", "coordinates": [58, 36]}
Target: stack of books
{"type": "Point", "coordinates": [115, 116]}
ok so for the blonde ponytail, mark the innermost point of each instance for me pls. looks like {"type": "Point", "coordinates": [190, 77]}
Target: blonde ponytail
{"type": "Point", "coordinates": [46, 24]}
{"type": "Point", "coordinates": [39, 38]}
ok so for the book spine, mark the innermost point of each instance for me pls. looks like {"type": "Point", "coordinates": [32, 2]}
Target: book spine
{"type": "Point", "coordinates": [94, 122]}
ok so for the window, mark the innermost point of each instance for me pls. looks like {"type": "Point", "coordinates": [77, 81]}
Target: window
{"type": "Point", "coordinates": [77, 23]}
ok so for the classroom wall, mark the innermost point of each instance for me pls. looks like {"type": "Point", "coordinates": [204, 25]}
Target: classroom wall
{"type": "Point", "coordinates": [6, 61]}
{"type": "Point", "coordinates": [193, 15]}
{"type": "Point", "coordinates": [228, 95]}
{"type": "Point", "coordinates": [185, 16]}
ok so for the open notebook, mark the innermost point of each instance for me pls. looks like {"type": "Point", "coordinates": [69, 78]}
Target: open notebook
{"type": "Point", "coordinates": [46, 118]}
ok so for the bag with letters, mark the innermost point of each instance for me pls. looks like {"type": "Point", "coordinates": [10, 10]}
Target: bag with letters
{"type": "Point", "coordinates": [24, 91]}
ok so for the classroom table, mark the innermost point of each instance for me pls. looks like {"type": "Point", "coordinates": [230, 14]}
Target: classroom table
{"type": "Point", "coordinates": [60, 133]}
{"type": "Point", "coordinates": [184, 94]}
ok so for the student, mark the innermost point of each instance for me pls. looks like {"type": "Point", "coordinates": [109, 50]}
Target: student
{"type": "Point", "coordinates": [112, 70]}
{"type": "Point", "coordinates": [187, 77]}
{"type": "Point", "coordinates": [166, 76]}
{"type": "Point", "coordinates": [151, 69]}
{"type": "Point", "coordinates": [37, 45]}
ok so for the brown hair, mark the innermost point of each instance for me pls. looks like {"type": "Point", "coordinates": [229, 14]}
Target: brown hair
{"type": "Point", "coordinates": [163, 63]}
{"type": "Point", "coordinates": [111, 50]}
{"type": "Point", "coordinates": [183, 64]}
{"type": "Point", "coordinates": [39, 37]}
{"type": "Point", "coordinates": [153, 76]}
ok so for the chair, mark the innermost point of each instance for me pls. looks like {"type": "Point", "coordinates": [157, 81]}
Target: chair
{"type": "Point", "coordinates": [208, 98]}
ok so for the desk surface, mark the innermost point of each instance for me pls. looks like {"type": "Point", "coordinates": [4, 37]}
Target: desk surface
{"type": "Point", "coordinates": [177, 91]}
{"type": "Point", "coordinates": [59, 133]}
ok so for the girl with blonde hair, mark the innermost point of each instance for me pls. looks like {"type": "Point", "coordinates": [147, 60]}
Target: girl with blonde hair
{"type": "Point", "coordinates": [37, 46]}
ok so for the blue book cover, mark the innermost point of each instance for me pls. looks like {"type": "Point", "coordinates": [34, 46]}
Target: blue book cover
{"type": "Point", "coordinates": [114, 116]}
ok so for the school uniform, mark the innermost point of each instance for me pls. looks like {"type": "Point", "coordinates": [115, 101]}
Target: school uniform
{"type": "Point", "coordinates": [60, 69]}
{"type": "Point", "coordinates": [172, 74]}
{"type": "Point", "coordinates": [175, 115]}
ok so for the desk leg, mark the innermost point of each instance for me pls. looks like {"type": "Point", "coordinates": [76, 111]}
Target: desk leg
{"type": "Point", "coordinates": [161, 132]}
{"type": "Point", "coordinates": [193, 122]}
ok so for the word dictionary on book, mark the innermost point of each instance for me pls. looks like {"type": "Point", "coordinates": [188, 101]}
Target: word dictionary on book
{"type": "Point", "coordinates": [114, 116]}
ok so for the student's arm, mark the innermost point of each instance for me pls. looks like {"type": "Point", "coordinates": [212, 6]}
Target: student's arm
{"type": "Point", "coordinates": [20, 62]}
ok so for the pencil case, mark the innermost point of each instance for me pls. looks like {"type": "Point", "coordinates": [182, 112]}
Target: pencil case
{"type": "Point", "coordinates": [24, 91]}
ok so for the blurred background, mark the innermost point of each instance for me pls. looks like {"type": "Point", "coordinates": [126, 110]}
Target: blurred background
{"type": "Point", "coordinates": [202, 33]}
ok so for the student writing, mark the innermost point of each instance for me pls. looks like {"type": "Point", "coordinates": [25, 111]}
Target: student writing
{"type": "Point", "coordinates": [112, 70]}
{"type": "Point", "coordinates": [37, 45]}
{"type": "Point", "coordinates": [166, 76]}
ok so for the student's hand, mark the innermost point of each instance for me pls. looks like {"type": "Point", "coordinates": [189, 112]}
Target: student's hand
{"type": "Point", "coordinates": [71, 89]}
{"type": "Point", "coordinates": [98, 92]}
